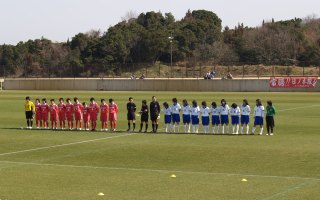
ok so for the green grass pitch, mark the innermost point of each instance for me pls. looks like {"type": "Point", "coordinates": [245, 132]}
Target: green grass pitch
{"type": "Point", "coordinates": [51, 165]}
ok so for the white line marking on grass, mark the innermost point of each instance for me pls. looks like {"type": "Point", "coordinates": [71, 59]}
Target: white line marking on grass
{"type": "Point", "coordinates": [67, 144]}
{"type": "Point", "coordinates": [296, 108]}
{"type": "Point", "coordinates": [160, 170]}
{"type": "Point", "coordinates": [290, 189]}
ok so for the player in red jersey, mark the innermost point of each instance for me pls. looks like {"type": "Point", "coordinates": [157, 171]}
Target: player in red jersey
{"type": "Point", "coordinates": [69, 113]}
{"type": "Point", "coordinates": [62, 114]}
{"type": "Point", "coordinates": [94, 110]}
{"type": "Point", "coordinates": [77, 108]}
{"type": "Point", "coordinates": [86, 116]}
{"type": "Point", "coordinates": [44, 112]}
{"type": "Point", "coordinates": [54, 110]}
{"type": "Point", "coordinates": [104, 110]}
{"type": "Point", "coordinates": [38, 114]}
{"type": "Point", "coordinates": [113, 112]}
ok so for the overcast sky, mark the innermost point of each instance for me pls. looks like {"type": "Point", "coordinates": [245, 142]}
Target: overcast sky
{"type": "Point", "coordinates": [58, 20]}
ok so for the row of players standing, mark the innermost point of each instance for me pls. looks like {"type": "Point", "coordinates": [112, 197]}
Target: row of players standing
{"type": "Point", "coordinates": [219, 117]}
{"type": "Point", "coordinates": [80, 112]}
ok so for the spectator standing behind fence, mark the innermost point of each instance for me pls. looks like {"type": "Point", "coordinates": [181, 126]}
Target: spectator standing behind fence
{"type": "Point", "coordinates": [210, 75]}
{"type": "Point", "coordinates": [142, 76]}
{"type": "Point", "coordinates": [228, 76]}
{"type": "Point", "coordinates": [271, 111]}
{"type": "Point", "coordinates": [133, 77]}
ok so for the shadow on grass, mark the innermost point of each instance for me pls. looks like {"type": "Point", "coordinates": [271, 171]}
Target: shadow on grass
{"type": "Point", "coordinates": [119, 131]}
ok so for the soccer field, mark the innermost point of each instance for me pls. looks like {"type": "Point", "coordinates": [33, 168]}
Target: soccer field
{"type": "Point", "coordinates": [51, 165]}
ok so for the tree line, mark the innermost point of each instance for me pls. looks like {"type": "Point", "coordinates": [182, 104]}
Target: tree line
{"type": "Point", "coordinates": [197, 38]}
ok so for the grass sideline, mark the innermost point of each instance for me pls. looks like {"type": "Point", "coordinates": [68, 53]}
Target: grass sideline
{"type": "Point", "coordinates": [79, 165]}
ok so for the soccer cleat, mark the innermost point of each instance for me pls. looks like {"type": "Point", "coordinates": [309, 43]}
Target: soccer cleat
{"type": "Point", "coordinates": [271, 134]}
{"type": "Point", "coordinates": [105, 129]}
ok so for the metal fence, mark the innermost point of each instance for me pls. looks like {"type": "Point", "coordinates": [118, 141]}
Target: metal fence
{"type": "Point", "coordinates": [162, 70]}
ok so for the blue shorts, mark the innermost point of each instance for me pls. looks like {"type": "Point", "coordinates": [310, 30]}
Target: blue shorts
{"type": "Point", "coordinates": [215, 120]}
{"type": "Point", "coordinates": [175, 118]}
{"type": "Point", "coordinates": [205, 121]}
{"type": "Point", "coordinates": [235, 119]}
{"type": "Point", "coordinates": [224, 119]}
{"type": "Point", "coordinates": [186, 119]}
{"type": "Point", "coordinates": [195, 119]}
{"type": "Point", "coordinates": [167, 119]}
{"type": "Point", "coordinates": [258, 120]}
{"type": "Point", "coordinates": [245, 119]}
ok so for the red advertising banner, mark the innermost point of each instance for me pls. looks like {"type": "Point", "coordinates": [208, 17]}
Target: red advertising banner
{"type": "Point", "coordinates": [293, 82]}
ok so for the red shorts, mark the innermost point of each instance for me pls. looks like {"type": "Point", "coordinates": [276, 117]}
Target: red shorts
{"type": "Point", "coordinates": [93, 116]}
{"type": "Point", "coordinates": [44, 116]}
{"type": "Point", "coordinates": [54, 117]}
{"type": "Point", "coordinates": [38, 116]}
{"type": "Point", "coordinates": [62, 116]}
{"type": "Point", "coordinates": [78, 116]}
{"type": "Point", "coordinates": [86, 118]}
{"type": "Point", "coordinates": [113, 117]}
{"type": "Point", "coordinates": [103, 118]}
{"type": "Point", "coordinates": [70, 118]}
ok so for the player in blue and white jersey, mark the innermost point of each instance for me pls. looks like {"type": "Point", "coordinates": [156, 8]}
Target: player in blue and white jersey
{"type": "Point", "coordinates": [245, 116]}
{"type": "Point", "coordinates": [224, 115]}
{"type": "Point", "coordinates": [167, 117]}
{"type": "Point", "coordinates": [205, 113]}
{"type": "Point", "coordinates": [186, 116]}
{"type": "Point", "coordinates": [235, 118]}
{"type": "Point", "coordinates": [175, 110]}
{"type": "Point", "coordinates": [258, 116]}
{"type": "Point", "coordinates": [195, 110]}
{"type": "Point", "coordinates": [215, 112]}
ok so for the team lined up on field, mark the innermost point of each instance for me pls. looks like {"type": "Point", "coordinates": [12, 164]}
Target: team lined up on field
{"type": "Point", "coordinates": [219, 117]}
{"type": "Point", "coordinates": [80, 113]}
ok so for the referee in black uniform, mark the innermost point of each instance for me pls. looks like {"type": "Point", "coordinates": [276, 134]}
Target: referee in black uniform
{"type": "Point", "coordinates": [131, 116]}
{"type": "Point", "coordinates": [154, 113]}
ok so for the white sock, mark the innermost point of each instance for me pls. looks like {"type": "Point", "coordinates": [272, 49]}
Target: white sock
{"type": "Point", "coordinates": [173, 128]}
{"type": "Point", "coordinates": [193, 128]}
{"type": "Point", "coordinates": [253, 129]}
{"type": "Point", "coordinates": [233, 127]}
{"type": "Point", "coordinates": [261, 130]}
{"type": "Point", "coordinates": [189, 128]}
{"type": "Point", "coordinates": [237, 129]}
{"type": "Point", "coordinates": [185, 128]}
{"type": "Point", "coordinates": [217, 129]}
{"type": "Point", "coordinates": [247, 130]}
{"type": "Point", "coordinates": [241, 130]}
{"type": "Point", "coordinates": [178, 126]}
{"type": "Point", "coordinates": [222, 129]}
{"type": "Point", "coordinates": [166, 128]}
{"type": "Point", "coordinates": [213, 130]}
{"type": "Point", "coordinates": [227, 128]}
{"type": "Point", "coordinates": [197, 128]}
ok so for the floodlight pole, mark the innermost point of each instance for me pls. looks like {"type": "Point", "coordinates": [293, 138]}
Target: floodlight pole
{"type": "Point", "coordinates": [171, 40]}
